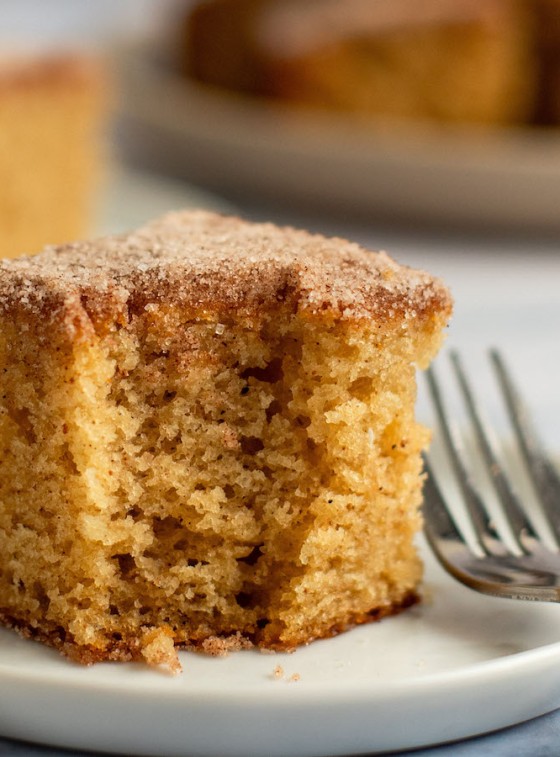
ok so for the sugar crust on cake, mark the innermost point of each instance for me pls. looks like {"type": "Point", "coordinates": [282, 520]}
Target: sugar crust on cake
{"type": "Point", "coordinates": [211, 262]}
{"type": "Point", "coordinates": [292, 27]}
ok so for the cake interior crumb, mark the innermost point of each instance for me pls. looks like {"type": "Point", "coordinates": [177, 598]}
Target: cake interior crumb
{"type": "Point", "coordinates": [184, 478]}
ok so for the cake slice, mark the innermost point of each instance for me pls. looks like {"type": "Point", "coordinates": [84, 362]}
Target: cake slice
{"type": "Point", "coordinates": [442, 60]}
{"type": "Point", "coordinates": [51, 113]}
{"type": "Point", "coordinates": [208, 438]}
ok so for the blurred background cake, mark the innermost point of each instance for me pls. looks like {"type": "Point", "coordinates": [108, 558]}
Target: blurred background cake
{"type": "Point", "coordinates": [356, 106]}
{"type": "Point", "coordinates": [51, 111]}
{"type": "Point", "coordinates": [474, 61]}
{"type": "Point", "coordinates": [547, 47]}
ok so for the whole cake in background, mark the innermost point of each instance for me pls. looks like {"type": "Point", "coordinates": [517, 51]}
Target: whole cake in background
{"type": "Point", "coordinates": [467, 61]}
{"type": "Point", "coordinates": [207, 438]}
{"type": "Point", "coordinates": [546, 27]}
{"type": "Point", "coordinates": [51, 110]}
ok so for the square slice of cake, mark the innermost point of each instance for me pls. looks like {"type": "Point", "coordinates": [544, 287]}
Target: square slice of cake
{"type": "Point", "coordinates": [52, 109]}
{"type": "Point", "coordinates": [208, 438]}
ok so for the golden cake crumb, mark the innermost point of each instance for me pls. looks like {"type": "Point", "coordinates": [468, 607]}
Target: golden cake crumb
{"type": "Point", "coordinates": [158, 649]}
{"type": "Point", "coordinates": [279, 674]}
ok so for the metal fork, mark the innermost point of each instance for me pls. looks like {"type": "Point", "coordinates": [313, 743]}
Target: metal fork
{"type": "Point", "coordinates": [516, 560]}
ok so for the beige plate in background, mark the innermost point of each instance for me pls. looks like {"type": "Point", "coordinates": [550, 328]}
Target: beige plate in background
{"type": "Point", "coordinates": [251, 148]}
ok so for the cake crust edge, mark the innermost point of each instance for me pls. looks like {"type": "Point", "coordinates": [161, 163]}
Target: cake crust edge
{"type": "Point", "coordinates": [132, 649]}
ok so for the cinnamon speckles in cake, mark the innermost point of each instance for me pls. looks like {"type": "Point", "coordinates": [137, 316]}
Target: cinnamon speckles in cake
{"type": "Point", "coordinates": [207, 439]}
{"type": "Point", "coordinates": [216, 263]}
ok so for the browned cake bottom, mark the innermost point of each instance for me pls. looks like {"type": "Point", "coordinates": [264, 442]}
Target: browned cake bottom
{"type": "Point", "coordinates": [133, 649]}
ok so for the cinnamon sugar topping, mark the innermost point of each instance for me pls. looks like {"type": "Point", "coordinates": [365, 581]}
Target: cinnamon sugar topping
{"type": "Point", "coordinates": [216, 263]}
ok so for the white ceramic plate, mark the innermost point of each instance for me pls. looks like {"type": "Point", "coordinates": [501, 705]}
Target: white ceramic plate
{"type": "Point", "coordinates": [255, 149]}
{"type": "Point", "coordinates": [457, 665]}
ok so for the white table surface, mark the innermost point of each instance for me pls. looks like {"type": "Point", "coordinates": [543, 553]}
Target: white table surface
{"type": "Point", "coordinates": [507, 295]}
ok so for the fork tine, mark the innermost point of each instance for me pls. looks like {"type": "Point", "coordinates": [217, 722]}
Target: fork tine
{"type": "Point", "coordinates": [439, 526]}
{"type": "Point", "coordinates": [518, 524]}
{"type": "Point", "coordinates": [484, 562]}
{"type": "Point", "coordinates": [472, 501]}
{"type": "Point", "coordinates": [542, 472]}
